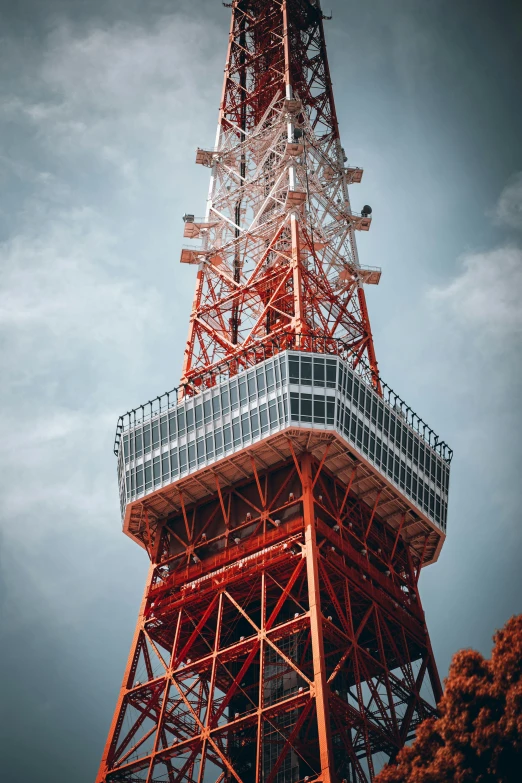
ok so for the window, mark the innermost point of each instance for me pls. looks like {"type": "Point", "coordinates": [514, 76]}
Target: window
{"type": "Point", "coordinates": [254, 423]}
{"type": "Point", "coordinates": [139, 479]}
{"type": "Point", "coordinates": [318, 372]}
{"type": "Point", "coordinates": [243, 397]}
{"type": "Point", "coordinates": [165, 472]}
{"type": "Point", "coordinates": [126, 447]}
{"type": "Point", "coordinates": [234, 399]}
{"type": "Point", "coordinates": [155, 435]}
{"type": "Point", "coordinates": [181, 422]}
{"type": "Point", "coordinates": [199, 415]}
{"type": "Point", "coordinates": [190, 419]}
{"type": "Point", "coordinates": [218, 440]}
{"type": "Point", "coordinates": [306, 407]}
{"type": "Point", "coordinates": [156, 471]}
{"type": "Point", "coordinates": [207, 411]}
{"type": "Point", "coordinates": [251, 380]}
{"type": "Point", "coordinates": [215, 407]}
{"type": "Point", "coordinates": [306, 371]}
{"type": "Point", "coordinates": [148, 476]}
{"type": "Point", "coordinates": [263, 414]}
{"type": "Point", "coordinates": [209, 446]}
{"type": "Point", "coordinates": [272, 412]}
{"type": "Point", "coordinates": [225, 401]}
{"type": "Point", "coordinates": [182, 459]}
{"type": "Point", "coordinates": [146, 438]}
{"type": "Point", "coordinates": [331, 371]}
{"type": "Point", "coordinates": [245, 425]}
{"type": "Point", "coordinates": [173, 463]}
{"type": "Point", "coordinates": [191, 454]}
{"type": "Point", "coordinates": [236, 432]}
{"type": "Point", "coordinates": [164, 428]}
{"type": "Point", "coordinates": [227, 433]}
{"type": "Point", "coordinates": [260, 375]}
{"type": "Point", "coordinates": [270, 378]}
{"type": "Point", "coordinates": [293, 368]}
{"type": "Point", "coordinates": [172, 426]}
{"type": "Point", "coordinates": [319, 410]}
{"type": "Point", "coordinates": [200, 450]}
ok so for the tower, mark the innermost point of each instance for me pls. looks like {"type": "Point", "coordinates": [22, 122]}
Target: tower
{"type": "Point", "coordinates": [287, 498]}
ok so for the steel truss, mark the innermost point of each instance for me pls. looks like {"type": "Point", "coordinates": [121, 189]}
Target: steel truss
{"type": "Point", "coordinates": [277, 260]}
{"type": "Point", "coordinates": [281, 637]}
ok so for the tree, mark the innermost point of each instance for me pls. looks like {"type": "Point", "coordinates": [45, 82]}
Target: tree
{"type": "Point", "coordinates": [477, 737]}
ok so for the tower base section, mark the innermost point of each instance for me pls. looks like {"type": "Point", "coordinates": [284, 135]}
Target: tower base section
{"type": "Point", "coordinates": [280, 639]}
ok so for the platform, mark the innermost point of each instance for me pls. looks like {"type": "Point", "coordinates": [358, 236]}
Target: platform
{"type": "Point", "coordinates": [295, 401]}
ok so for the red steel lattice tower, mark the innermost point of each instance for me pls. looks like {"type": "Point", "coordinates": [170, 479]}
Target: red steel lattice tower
{"type": "Point", "coordinates": [286, 497]}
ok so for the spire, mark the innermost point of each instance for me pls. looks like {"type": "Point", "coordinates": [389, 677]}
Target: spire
{"type": "Point", "coordinates": [276, 252]}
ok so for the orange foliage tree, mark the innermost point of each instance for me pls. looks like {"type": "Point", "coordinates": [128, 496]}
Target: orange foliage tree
{"type": "Point", "coordinates": [478, 736]}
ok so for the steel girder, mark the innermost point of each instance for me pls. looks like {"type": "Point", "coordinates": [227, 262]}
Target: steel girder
{"type": "Point", "coordinates": [280, 637]}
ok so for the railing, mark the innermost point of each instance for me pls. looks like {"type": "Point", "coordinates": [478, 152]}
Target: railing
{"type": "Point", "coordinates": [257, 353]}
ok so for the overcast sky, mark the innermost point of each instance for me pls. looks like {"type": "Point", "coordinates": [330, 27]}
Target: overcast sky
{"type": "Point", "coordinates": [102, 105]}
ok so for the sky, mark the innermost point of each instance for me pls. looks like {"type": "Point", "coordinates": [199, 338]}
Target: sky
{"type": "Point", "coordinates": [102, 105]}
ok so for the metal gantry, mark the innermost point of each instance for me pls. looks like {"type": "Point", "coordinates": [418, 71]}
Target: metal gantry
{"type": "Point", "coordinates": [286, 506]}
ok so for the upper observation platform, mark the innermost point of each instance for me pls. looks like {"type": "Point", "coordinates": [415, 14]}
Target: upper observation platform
{"type": "Point", "coordinates": [292, 402]}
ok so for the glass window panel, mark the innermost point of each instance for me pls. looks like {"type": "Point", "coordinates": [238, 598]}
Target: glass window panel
{"type": "Point", "coordinates": [165, 469]}
{"type": "Point", "coordinates": [306, 407]}
{"type": "Point", "coordinates": [190, 419]}
{"type": "Point", "coordinates": [318, 372]}
{"type": "Point", "coordinates": [173, 462]}
{"type": "Point", "coordinates": [207, 411]}
{"type": "Point", "coordinates": [251, 386]}
{"type": "Point", "coordinates": [254, 421]}
{"type": "Point", "coordinates": [183, 459]}
{"type": "Point", "coordinates": [260, 375]}
{"type": "Point", "coordinates": [199, 415]}
{"type": "Point", "coordinates": [126, 447]}
{"type": "Point", "coordinates": [225, 401]}
{"type": "Point", "coordinates": [218, 441]}
{"type": "Point", "coordinates": [227, 433]}
{"type": "Point", "coordinates": [139, 479]}
{"type": "Point", "coordinates": [200, 450]}
{"type": "Point", "coordinates": [282, 367]}
{"type": "Point", "coordinates": [146, 438]}
{"type": "Point", "coordinates": [293, 369]}
{"type": "Point", "coordinates": [148, 476]}
{"type": "Point", "coordinates": [234, 399]}
{"type": "Point", "coordinates": [294, 406]}
{"type": "Point", "coordinates": [306, 371]}
{"type": "Point", "coordinates": [263, 415]}
{"type": "Point", "coordinates": [270, 377]}
{"type": "Point", "coordinates": [164, 427]}
{"type": "Point", "coordinates": [209, 445]}
{"type": "Point", "coordinates": [243, 396]}
{"type": "Point", "coordinates": [245, 425]}
{"type": "Point", "coordinates": [215, 407]}
{"type": "Point", "coordinates": [331, 371]}
{"type": "Point", "coordinates": [138, 444]}
{"type": "Point", "coordinates": [155, 435]}
{"type": "Point", "coordinates": [236, 432]}
{"type": "Point", "coordinates": [156, 471]}
{"type": "Point", "coordinates": [181, 422]}
{"type": "Point", "coordinates": [191, 454]}
{"type": "Point", "coordinates": [319, 410]}
{"type": "Point", "coordinates": [272, 412]}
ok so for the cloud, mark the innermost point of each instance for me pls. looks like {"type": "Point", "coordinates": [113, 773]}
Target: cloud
{"type": "Point", "coordinates": [486, 295]}
{"type": "Point", "coordinates": [509, 206]}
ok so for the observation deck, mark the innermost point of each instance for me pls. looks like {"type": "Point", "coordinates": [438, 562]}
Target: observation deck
{"type": "Point", "coordinates": [292, 402]}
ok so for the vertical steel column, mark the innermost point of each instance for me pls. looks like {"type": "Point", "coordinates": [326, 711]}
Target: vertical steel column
{"type": "Point", "coordinates": [131, 660]}
{"type": "Point", "coordinates": [314, 597]}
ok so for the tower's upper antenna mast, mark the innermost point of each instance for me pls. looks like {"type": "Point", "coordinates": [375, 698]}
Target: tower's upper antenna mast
{"type": "Point", "coordinates": [276, 254]}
